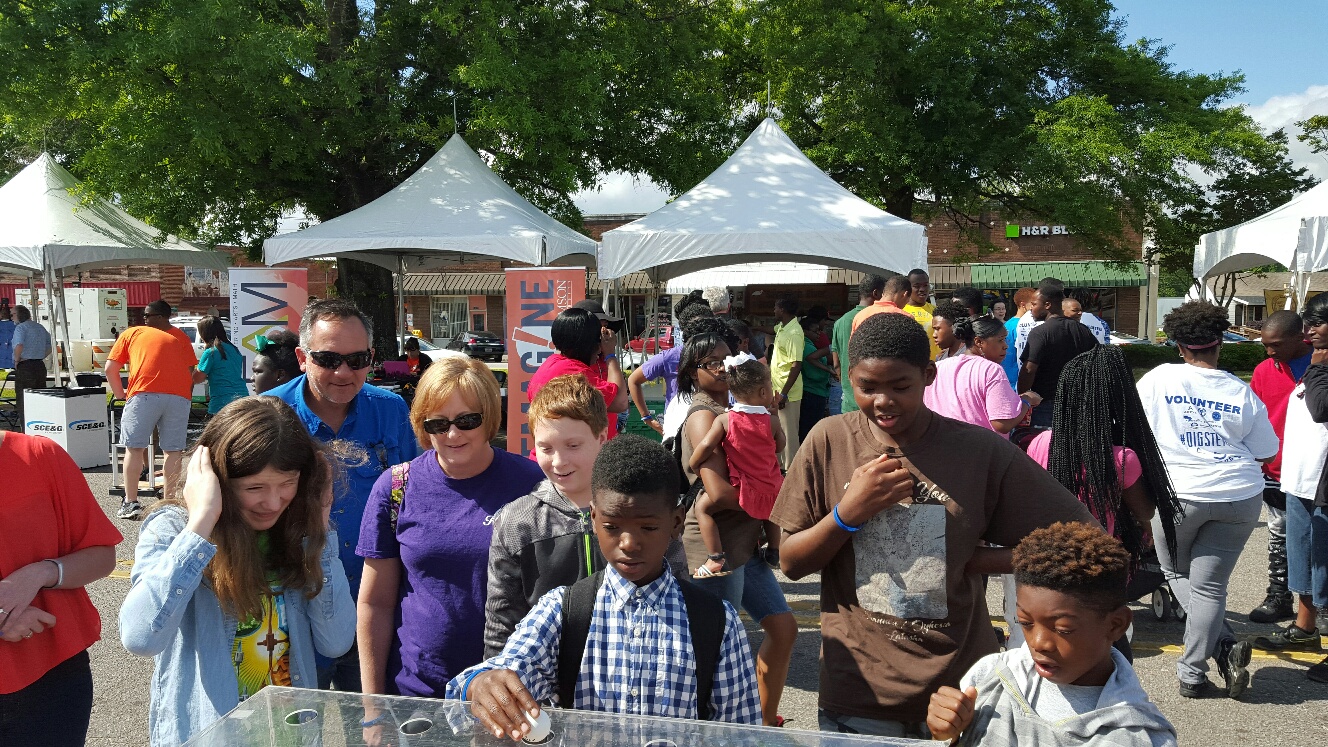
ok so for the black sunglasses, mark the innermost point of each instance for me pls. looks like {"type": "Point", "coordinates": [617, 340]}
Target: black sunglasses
{"type": "Point", "coordinates": [468, 422]}
{"type": "Point", "coordinates": [333, 361]}
{"type": "Point", "coordinates": [713, 367]}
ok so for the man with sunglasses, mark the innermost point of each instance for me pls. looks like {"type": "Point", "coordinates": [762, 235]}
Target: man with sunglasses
{"type": "Point", "coordinates": [161, 361]}
{"type": "Point", "coordinates": [334, 402]}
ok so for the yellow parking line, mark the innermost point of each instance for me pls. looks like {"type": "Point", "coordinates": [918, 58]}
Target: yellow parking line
{"type": "Point", "coordinates": [122, 568]}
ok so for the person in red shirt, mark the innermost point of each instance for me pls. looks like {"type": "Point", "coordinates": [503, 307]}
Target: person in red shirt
{"type": "Point", "coordinates": [54, 540]}
{"type": "Point", "coordinates": [1274, 379]}
{"type": "Point", "coordinates": [583, 344]}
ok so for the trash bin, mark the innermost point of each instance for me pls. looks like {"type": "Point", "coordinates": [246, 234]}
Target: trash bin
{"type": "Point", "coordinates": [74, 418]}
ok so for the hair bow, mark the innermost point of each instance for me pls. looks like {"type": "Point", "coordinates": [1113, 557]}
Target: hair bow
{"type": "Point", "coordinates": [733, 361]}
{"type": "Point", "coordinates": [261, 343]}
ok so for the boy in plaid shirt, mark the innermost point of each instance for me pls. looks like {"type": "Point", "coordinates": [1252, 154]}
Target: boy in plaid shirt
{"type": "Point", "coordinates": [638, 653]}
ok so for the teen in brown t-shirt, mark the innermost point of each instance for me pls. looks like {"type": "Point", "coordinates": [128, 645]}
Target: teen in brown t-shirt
{"type": "Point", "coordinates": [902, 605]}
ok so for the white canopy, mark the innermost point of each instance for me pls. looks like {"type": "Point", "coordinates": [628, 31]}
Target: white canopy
{"type": "Point", "coordinates": [767, 203]}
{"type": "Point", "coordinates": [454, 209]}
{"type": "Point", "coordinates": [1295, 235]}
{"type": "Point", "coordinates": [41, 221]}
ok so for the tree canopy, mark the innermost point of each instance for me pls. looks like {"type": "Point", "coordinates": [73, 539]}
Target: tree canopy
{"type": "Point", "coordinates": [209, 119]}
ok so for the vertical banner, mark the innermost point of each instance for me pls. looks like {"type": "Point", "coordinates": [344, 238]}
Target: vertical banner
{"type": "Point", "coordinates": [535, 296]}
{"type": "Point", "coordinates": [262, 299]}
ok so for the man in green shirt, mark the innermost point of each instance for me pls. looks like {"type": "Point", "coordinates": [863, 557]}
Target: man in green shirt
{"type": "Point", "coordinates": [785, 373]}
{"type": "Point", "coordinates": [869, 292]}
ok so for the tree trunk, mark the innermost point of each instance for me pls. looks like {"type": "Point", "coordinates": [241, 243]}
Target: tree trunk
{"type": "Point", "coordinates": [370, 287]}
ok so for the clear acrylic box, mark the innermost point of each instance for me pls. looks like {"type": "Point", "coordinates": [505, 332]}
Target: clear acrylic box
{"type": "Point", "coordinates": [294, 717]}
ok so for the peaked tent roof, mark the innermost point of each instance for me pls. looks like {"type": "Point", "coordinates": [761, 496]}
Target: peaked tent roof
{"type": "Point", "coordinates": [453, 209]}
{"type": "Point", "coordinates": [767, 203]}
{"type": "Point", "coordinates": [40, 218]}
{"type": "Point", "coordinates": [1294, 235]}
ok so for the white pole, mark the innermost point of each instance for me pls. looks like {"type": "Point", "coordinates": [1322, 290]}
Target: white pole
{"type": "Point", "coordinates": [49, 275]}
{"type": "Point", "coordinates": [401, 304]}
{"type": "Point", "coordinates": [64, 326]}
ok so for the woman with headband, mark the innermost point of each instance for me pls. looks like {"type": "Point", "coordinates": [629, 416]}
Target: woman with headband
{"type": "Point", "coordinates": [1212, 432]}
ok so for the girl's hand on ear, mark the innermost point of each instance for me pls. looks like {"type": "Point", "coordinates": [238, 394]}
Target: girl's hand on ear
{"type": "Point", "coordinates": [202, 494]}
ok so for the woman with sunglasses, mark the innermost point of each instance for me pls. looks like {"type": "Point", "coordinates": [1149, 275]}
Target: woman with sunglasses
{"type": "Point", "coordinates": [427, 529]}
{"type": "Point", "coordinates": [747, 582]}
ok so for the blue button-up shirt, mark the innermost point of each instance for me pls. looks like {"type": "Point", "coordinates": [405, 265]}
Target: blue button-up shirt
{"type": "Point", "coordinates": [378, 422]}
{"type": "Point", "coordinates": [638, 656]}
{"type": "Point", "coordinates": [34, 338]}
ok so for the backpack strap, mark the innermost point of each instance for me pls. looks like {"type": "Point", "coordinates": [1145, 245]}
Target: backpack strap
{"type": "Point", "coordinates": [578, 608]}
{"type": "Point", "coordinates": [707, 621]}
{"type": "Point", "coordinates": [400, 475]}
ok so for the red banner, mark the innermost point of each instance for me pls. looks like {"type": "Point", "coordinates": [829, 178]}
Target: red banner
{"type": "Point", "coordinates": [535, 296]}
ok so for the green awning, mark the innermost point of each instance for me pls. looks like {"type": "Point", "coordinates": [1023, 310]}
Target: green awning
{"type": "Point", "coordinates": [1073, 274]}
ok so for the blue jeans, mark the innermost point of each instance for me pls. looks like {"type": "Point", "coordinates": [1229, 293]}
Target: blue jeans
{"type": "Point", "coordinates": [752, 587]}
{"type": "Point", "coordinates": [1307, 550]}
{"type": "Point", "coordinates": [341, 673]}
{"type": "Point", "coordinates": [1042, 414]}
{"type": "Point", "coordinates": [835, 401]}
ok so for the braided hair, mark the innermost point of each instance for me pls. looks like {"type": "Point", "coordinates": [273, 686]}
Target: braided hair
{"type": "Point", "coordinates": [958, 315]}
{"type": "Point", "coordinates": [1098, 408]}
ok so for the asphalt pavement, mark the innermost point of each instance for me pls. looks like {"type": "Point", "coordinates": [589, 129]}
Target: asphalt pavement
{"type": "Point", "coordinates": [1280, 708]}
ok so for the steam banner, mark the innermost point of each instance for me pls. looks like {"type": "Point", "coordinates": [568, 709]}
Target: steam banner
{"type": "Point", "coordinates": [535, 296]}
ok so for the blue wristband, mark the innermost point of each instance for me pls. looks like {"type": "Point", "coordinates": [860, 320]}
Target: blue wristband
{"type": "Point", "coordinates": [610, 355]}
{"type": "Point", "coordinates": [376, 720]}
{"type": "Point", "coordinates": [833, 512]}
{"type": "Point", "coordinates": [466, 685]}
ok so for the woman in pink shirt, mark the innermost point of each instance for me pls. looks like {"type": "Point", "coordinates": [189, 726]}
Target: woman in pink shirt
{"type": "Point", "coordinates": [583, 344]}
{"type": "Point", "coordinates": [972, 386]}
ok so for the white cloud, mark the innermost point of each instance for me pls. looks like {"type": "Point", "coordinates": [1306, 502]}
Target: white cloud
{"type": "Point", "coordinates": [1284, 112]}
{"type": "Point", "coordinates": [619, 192]}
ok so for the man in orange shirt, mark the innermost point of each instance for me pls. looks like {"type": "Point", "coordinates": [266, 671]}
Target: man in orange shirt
{"type": "Point", "coordinates": [897, 291]}
{"type": "Point", "coordinates": [161, 361]}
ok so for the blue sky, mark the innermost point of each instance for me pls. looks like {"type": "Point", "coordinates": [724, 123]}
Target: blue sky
{"type": "Point", "coordinates": [1280, 45]}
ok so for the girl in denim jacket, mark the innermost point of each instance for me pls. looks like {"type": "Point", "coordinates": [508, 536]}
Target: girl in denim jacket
{"type": "Point", "coordinates": [236, 583]}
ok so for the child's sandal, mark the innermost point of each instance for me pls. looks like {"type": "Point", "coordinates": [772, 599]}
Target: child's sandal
{"type": "Point", "coordinates": [704, 572]}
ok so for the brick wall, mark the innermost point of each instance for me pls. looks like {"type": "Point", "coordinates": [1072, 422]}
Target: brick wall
{"type": "Point", "coordinates": [497, 314]}
{"type": "Point", "coordinates": [943, 244]}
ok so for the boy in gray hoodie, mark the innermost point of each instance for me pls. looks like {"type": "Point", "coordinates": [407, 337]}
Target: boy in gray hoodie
{"type": "Point", "coordinates": [1066, 686]}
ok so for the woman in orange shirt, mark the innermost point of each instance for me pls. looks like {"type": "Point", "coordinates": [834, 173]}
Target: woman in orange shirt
{"type": "Point", "coordinates": [54, 540]}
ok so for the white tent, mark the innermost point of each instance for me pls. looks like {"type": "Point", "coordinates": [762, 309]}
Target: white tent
{"type": "Point", "coordinates": [45, 227]}
{"type": "Point", "coordinates": [43, 222]}
{"type": "Point", "coordinates": [1294, 235]}
{"type": "Point", "coordinates": [767, 203]}
{"type": "Point", "coordinates": [454, 209]}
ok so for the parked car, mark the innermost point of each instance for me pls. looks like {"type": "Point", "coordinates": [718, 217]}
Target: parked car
{"type": "Point", "coordinates": [479, 344]}
{"type": "Point", "coordinates": [1228, 338]}
{"type": "Point", "coordinates": [188, 324]}
{"type": "Point", "coordinates": [662, 341]}
{"type": "Point", "coordinates": [430, 350]}
{"type": "Point", "coordinates": [1121, 338]}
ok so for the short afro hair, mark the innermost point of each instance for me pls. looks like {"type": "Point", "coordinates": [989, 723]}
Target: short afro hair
{"type": "Point", "coordinates": [896, 336]}
{"type": "Point", "coordinates": [1196, 324]}
{"type": "Point", "coordinates": [897, 284]}
{"type": "Point", "coordinates": [691, 298]}
{"type": "Point", "coordinates": [1076, 559]}
{"type": "Point", "coordinates": [1052, 291]}
{"type": "Point", "coordinates": [638, 468]}
{"type": "Point", "coordinates": [869, 286]}
{"type": "Point", "coordinates": [970, 297]}
{"type": "Point", "coordinates": [693, 311]}
{"type": "Point", "coordinates": [1289, 322]}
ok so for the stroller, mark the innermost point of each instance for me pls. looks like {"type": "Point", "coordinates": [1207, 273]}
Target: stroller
{"type": "Point", "coordinates": [1148, 581]}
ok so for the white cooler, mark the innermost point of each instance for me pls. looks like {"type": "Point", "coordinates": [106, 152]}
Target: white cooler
{"type": "Point", "coordinates": [73, 418]}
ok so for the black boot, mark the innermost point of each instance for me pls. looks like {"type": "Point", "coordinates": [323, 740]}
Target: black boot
{"type": "Point", "coordinates": [1277, 605]}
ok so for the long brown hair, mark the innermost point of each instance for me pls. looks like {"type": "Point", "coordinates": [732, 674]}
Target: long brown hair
{"type": "Point", "coordinates": [243, 439]}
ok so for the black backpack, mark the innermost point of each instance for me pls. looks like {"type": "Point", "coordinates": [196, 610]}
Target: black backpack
{"type": "Point", "coordinates": [706, 619]}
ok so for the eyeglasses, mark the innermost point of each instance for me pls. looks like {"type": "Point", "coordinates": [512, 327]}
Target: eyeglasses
{"type": "Point", "coordinates": [329, 360]}
{"type": "Point", "coordinates": [468, 422]}
{"type": "Point", "coordinates": [713, 367]}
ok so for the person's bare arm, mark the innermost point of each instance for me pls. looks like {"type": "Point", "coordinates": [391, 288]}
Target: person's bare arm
{"type": "Point", "coordinates": [636, 388]}
{"type": "Point", "coordinates": [199, 377]}
{"type": "Point", "coordinates": [608, 344]}
{"type": "Point", "coordinates": [991, 560]}
{"type": "Point", "coordinates": [1026, 375]}
{"type": "Point", "coordinates": [835, 363]}
{"type": "Point", "coordinates": [714, 473]}
{"type": "Point", "coordinates": [377, 609]}
{"type": "Point", "coordinates": [818, 359]}
{"type": "Point", "coordinates": [1140, 504]}
{"type": "Point", "coordinates": [707, 446]}
{"type": "Point", "coordinates": [777, 430]}
{"type": "Point", "coordinates": [876, 485]}
{"type": "Point", "coordinates": [112, 371]}
{"type": "Point", "coordinates": [794, 372]}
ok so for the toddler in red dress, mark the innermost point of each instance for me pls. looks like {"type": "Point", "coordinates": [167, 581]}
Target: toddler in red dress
{"type": "Point", "coordinates": [752, 440]}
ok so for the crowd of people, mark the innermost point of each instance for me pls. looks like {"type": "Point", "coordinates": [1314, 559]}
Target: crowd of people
{"type": "Point", "coordinates": [326, 534]}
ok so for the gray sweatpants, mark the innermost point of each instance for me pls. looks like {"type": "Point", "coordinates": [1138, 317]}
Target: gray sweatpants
{"type": "Point", "coordinates": [1208, 543]}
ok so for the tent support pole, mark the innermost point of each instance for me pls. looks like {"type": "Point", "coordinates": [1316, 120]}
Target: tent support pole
{"type": "Point", "coordinates": [49, 274]}
{"type": "Point", "coordinates": [64, 327]}
{"type": "Point", "coordinates": [401, 304]}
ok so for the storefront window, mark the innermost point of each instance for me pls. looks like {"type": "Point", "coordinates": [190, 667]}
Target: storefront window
{"type": "Point", "coordinates": [448, 316]}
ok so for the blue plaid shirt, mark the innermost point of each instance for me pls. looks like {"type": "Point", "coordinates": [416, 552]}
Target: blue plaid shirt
{"type": "Point", "coordinates": [638, 656]}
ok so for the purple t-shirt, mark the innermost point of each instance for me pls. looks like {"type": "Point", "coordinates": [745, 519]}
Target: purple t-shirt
{"type": "Point", "coordinates": [664, 365]}
{"type": "Point", "coordinates": [972, 389]}
{"type": "Point", "coordinates": [442, 539]}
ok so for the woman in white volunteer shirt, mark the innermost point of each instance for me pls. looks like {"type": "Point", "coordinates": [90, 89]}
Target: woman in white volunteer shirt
{"type": "Point", "coordinates": [1213, 432]}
